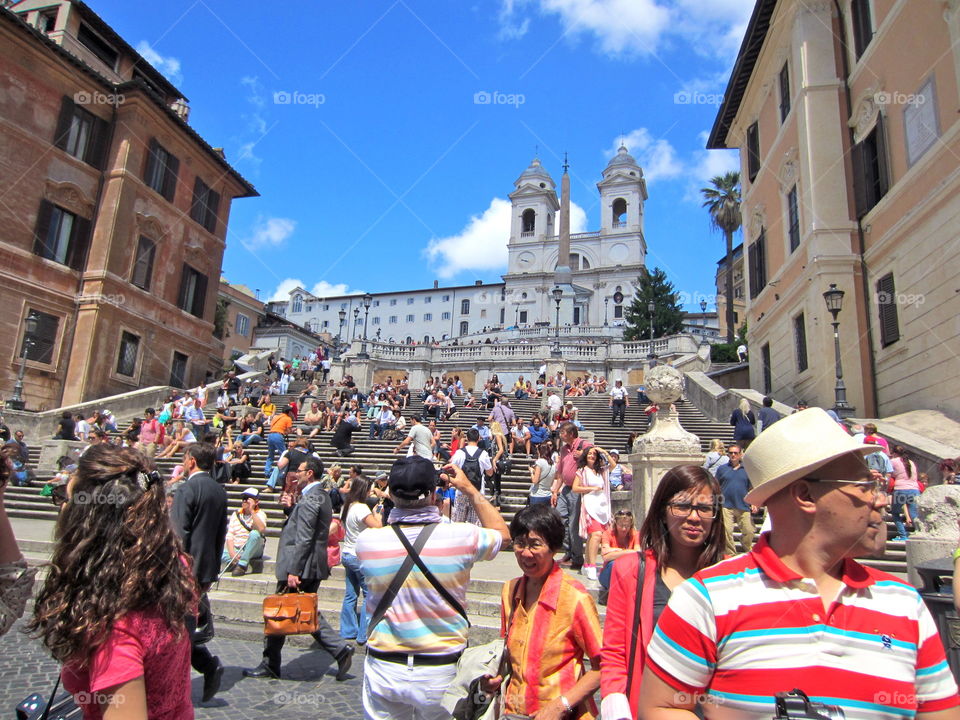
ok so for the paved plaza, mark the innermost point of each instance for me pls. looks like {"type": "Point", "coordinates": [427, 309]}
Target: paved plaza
{"type": "Point", "coordinates": [309, 690]}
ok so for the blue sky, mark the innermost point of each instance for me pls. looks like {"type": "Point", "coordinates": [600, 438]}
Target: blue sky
{"type": "Point", "coordinates": [359, 124]}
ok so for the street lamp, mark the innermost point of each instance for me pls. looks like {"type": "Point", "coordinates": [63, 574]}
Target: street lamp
{"type": "Point", "coordinates": [703, 306]}
{"type": "Point", "coordinates": [606, 304]}
{"type": "Point", "coordinates": [30, 327]}
{"type": "Point", "coordinates": [557, 298]}
{"type": "Point", "coordinates": [343, 316]}
{"type": "Point", "coordinates": [650, 308]}
{"type": "Point", "coordinates": [367, 299]}
{"type": "Point", "coordinates": [834, 300]}
{"type": "Point", "coordinates": [356, 323]}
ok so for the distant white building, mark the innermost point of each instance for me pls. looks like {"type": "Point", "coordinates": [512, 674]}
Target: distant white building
{"type": "Point", "coordinates": [604, 266]}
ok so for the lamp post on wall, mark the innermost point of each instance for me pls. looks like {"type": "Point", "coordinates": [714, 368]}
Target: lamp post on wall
{"type": "Point", "coordinates": [606, 304]}
{"type": "Point", "coordinates": [343, 316]}
{"type": "Point", "coordinates": [834, 300]}
{"type": "Point", "coordinates": [557, 298]}
{"type": "Point", "coordinates": [30, 329]}
{"type": "Point", "coordinates": [367, 299]}
{"type": "Point", "coordinates": [650, 308]}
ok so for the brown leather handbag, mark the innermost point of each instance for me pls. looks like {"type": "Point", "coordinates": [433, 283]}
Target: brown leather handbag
{"type": "Point", "coordinates": [290, 614]}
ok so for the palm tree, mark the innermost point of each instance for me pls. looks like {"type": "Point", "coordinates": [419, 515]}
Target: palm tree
{"type": "Point", "coordinates": [723, 203]}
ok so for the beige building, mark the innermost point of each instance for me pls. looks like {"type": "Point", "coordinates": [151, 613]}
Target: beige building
{"type": "Point", "coordinates": [114, 213]}
{"type": "Point", "coordinates": [739, 295]}
{"type": "Point", "coordinates": [241, 313]}
{"type": "Point", "coordinates": [849, 136]}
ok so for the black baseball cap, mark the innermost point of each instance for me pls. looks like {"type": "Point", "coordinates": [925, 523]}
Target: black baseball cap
{"type": "Point", "coordinates": [412, 478]}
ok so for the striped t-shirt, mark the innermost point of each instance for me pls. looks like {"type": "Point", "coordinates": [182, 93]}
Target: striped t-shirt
{"type": "Point", "coordinates": [420, 620]}
{"type": "Point", "coordinates": [750, 627]}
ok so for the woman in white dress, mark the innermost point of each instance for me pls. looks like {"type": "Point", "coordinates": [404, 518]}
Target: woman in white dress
{"type": "Point", "coordinates": [593, 482]}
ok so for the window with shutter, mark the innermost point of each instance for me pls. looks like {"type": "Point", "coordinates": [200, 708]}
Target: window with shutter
{"type": "Point", "coordinates": [178, 370]}
{"type": "Point", "coordinates": [143, 265]}
{"type": "Point", "coordinates": [767, 374]}
{"type": "Point", "coordinates": [203, 209]}
{"type": "Point", "coordinates": [61, 236]}
{"type": "Point", "coordinates": [862, 25]}
{"type": "Point", "coordinates": [793, 219]}
{"type": "Point", "coordinates": [193, 291]}
{"type": "Point", "coordinates": [784, 92]}
{"type": "Point", "coordinates": [887, 304]}
{"type": "Point", "coordinates": [161, 171]}
{"type": "Point", "coordinates": [753, 151]}
{"type": "Point", "coordinates": [757, 262]}
{"type": "Point", "coordinates": [800, 341]}
{"type": "Point", "coordinates": [870, 175]}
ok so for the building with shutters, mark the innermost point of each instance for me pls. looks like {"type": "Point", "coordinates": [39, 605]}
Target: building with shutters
{"type": "Point", "coordinates": [114, 213]}
{"type": "Point", "coordinates": [845, 115]}
{"type": "Point", "coordinates": [604, 265]}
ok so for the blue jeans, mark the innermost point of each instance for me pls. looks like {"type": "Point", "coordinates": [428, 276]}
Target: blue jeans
{"type": "Point", "coordinates": [540, 500]}
{"type": "Point", "coordinates": [901, 498]}
{"type": "Point", "coordinates": [275, 448]}
{"type": "Point", "coordinates": [252, 549]}
{"type": "Point", "coordinates": [350, 628]}
{"type": "Point", "coordinates": [252, 439]}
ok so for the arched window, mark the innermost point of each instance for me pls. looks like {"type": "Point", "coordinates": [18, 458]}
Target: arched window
{"type": "Point", "coordinates": [464, 307]}
{"type": "Point", "coordinates": [297, 304]}
{"type": "Point", "coordinates": [528, 223]}
{"type": "Point", "coordinates": [619, 212]}
{"type": "Point", "coordinates": [584, 263]}
{"type": "Point", "coordinates": [464, 327]}
{"type": "Point", "coordinates": [426, 339]}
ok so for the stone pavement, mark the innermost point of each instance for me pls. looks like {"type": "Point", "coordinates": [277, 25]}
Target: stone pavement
{"type": "Point", "coordinates": [307, 692]}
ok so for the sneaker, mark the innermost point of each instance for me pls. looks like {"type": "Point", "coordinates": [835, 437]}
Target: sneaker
{"type": "Point", "coordinates": [239, 570]}
{"type": "Point", "coordinates": [590, 571]}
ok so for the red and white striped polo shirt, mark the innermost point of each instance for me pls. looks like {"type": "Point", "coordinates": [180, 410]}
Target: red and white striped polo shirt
{"type": "Point", "coordinates": [750, 627]}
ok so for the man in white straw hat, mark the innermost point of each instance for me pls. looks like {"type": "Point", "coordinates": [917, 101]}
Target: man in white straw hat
{"type": "Point", "coordinates": [797, 611]}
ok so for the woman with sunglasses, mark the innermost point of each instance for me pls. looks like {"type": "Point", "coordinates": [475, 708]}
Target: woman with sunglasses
{"type": "Point", "coordinates": [118, 591]}
{"type": "Point", "coordinates": [680, 535]}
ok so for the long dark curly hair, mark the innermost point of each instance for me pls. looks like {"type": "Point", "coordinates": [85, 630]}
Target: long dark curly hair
{"type": "Point", "coordinates": [116, 552]}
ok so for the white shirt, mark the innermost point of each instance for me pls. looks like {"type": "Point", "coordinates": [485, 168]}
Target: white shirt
{"type": "Point", "coordinates": [485, 464]}
{"type": "Point", "coordinates": [618, 393]}
{"type": "Point", "coordinates": [355, 525]}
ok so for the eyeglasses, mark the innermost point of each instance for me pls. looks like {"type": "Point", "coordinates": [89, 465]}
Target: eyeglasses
{"type": "Point", "coordinates": [733, 452]}
{"type": "Point", "coordinates": [878, 488]}
{"type": "Point", "coordinates": [683, 509]}
{"type": "Point", "coordinates": [531, 545]}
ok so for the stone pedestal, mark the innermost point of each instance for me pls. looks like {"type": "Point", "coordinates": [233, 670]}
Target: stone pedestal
{"type": "Point", "coordinates": [666, 444]}
{"type": "Point", "coordinates": [937, 535]}
{"type": "Point", "coordinates": [53, 450]}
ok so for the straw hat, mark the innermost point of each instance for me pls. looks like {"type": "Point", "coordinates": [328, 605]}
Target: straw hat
{"type": "Point", "coordinates": [792, 449]}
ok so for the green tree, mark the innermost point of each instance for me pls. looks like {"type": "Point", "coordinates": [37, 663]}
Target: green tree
{"type": "Point", "coordinates": [220, 324]}
{"type": "Point", "coordinates": [667, 314]}
{"type": "Point", "coordinates": [723, 203]}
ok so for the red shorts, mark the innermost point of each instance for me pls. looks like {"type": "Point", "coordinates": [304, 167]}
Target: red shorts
{"type": "Point", "coordinates": [594, 527]}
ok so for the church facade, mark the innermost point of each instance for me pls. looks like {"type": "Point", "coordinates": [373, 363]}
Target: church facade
{"type": "Point", "coordinates": [596, 271]}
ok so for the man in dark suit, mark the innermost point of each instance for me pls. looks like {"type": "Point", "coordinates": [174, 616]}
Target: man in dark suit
{"type": "Point", "coordinates": [302, 564]}
{"type": "Point", "coordinates": [200, 518]}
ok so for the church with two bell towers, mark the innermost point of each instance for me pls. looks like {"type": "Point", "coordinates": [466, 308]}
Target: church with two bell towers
{"type": "Point", "coordinates": [595, 271]}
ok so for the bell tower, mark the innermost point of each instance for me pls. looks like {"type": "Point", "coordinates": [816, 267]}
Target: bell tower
{"type": "Point", "coordinates": [623, 191]}
{"type": "Point", "coordinates": [533, 218]}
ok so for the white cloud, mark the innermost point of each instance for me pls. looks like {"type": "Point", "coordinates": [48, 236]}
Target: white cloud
{"type": "Point", "coordinates": [641, 27]}
{"type": "Point", "coordinates": [482, 244]}
{"type": "Point", "coordinates": [282, 293]}
{"type": "Point", "coordinates": [256, 123]}
{"type": "Point", "coordinates": [269, 232]}
{"type": "Point", "coordinates": [169, 67]}
{"type": "Point", "coordinates": [656, 156]}
{"type": "Point", "coordinates": [322, 289]}
{"type": "Point", "coordinates": [510, 27]}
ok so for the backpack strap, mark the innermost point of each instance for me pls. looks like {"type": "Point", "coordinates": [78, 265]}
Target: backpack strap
{"type": "Point", "coordinates": [391, 593]}
{"type": "Point", "coordinates": [414, 553]}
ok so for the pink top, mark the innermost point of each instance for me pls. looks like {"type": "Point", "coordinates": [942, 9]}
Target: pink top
{"type": "Point", "coordinates": [140, 645]}
{"type": "Point", "coordinates": [901, 479]}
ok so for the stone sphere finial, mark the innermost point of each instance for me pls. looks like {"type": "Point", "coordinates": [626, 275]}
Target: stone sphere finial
{"type": "Point", "coordinates": [663, 384]}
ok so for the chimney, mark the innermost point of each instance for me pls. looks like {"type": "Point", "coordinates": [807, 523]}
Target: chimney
{"type": "Point", "coordinates": [181, 108]}
{"type": "Point", "coordinates": [478, 282]}
{"type": "Point", "coordinates": [436, 284]}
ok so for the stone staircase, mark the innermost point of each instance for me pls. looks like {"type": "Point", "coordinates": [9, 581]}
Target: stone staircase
{"type": "Point", "coordinates": [237, 601]}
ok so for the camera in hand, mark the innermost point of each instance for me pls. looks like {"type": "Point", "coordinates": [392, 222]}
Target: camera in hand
{"type": "Point", "coordinates": [797, 706]}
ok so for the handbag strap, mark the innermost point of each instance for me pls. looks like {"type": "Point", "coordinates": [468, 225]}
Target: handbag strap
{"type": "Point", "coordinates": [641, 568]}
{"type": "Point", "coordinates": [415, 554]}
{"type": "Point", "coordinates": [46, 711]}
{"type": "Point", "coordinates": [391, 592]}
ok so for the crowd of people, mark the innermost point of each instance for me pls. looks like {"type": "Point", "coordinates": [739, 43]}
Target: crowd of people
{"type": "Point", "coordinates": [691, 628]}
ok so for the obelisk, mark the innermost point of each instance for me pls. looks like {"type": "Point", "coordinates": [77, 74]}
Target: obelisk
{"type": "Point", "coordinates": [563, 276]}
